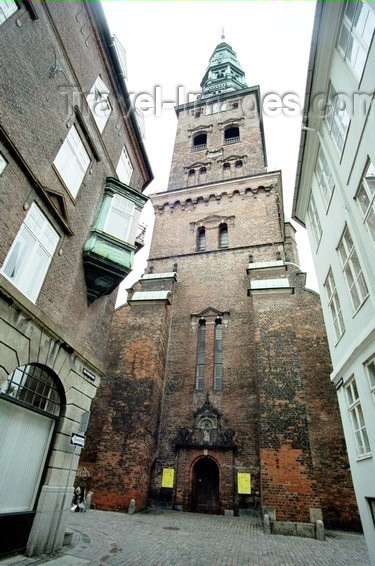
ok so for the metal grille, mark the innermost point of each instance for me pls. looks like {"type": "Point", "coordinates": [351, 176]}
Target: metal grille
{"type": "Point", "coordinates": [34, 386]}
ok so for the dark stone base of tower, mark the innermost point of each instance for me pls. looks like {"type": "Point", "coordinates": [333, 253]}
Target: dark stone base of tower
{"type": "Point", "coordinates": [219, 398]}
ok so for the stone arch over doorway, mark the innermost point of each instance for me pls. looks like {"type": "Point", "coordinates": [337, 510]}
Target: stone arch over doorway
{"type": "Point", "coordinates": [31, 403]}
{"type": "Point", "coordinates": [205, 486]}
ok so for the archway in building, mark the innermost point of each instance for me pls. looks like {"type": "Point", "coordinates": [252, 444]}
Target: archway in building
{"type": "Point", "coordinates": [30, 406]}
{"type": "Point", "coordinates": [205, 487]}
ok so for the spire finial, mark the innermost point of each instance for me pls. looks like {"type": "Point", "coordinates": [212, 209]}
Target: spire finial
{"type": "Point", "coordinates": [222, 34]}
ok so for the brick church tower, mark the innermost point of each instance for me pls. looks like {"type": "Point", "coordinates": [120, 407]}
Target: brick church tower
{"type": "Point", "coordinates": [218, 397]}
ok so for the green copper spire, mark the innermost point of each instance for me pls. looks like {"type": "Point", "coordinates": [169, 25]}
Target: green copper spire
{"type": "Point", "coordinates": [224, 73]}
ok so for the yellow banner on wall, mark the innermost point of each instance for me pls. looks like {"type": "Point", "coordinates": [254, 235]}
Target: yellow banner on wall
{"type": "Point", "coordinates": [167, 479]}
{"type": "Point", "coordinates": [244, 483]}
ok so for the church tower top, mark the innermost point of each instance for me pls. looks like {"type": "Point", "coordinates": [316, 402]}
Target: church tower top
{"type": "Point", "coordinates": [224, 73]}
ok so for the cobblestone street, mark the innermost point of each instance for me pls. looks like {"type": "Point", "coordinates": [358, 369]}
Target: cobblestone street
{"type": "Point", "coordinates": [169, 538]}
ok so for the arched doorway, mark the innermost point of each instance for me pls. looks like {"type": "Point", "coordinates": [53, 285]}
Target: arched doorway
{"type": "Point", "coordinates": [30, 405]}
{"type": "Point", "coordinates": [205, 487]}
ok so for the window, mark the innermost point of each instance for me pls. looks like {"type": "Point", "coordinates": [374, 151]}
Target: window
{"type": "Point", "coordinates": [334, 305]}
{"type": "Point", "coordinates": [201, 355]}
{"type": "Point", "coordinates": [29, 257]}
{"type": "Point", "coordinates": [314, 220]}
{"type": "Point", "coordinates": [356, 33]}
{"type": "Point", "coordinates": [338, 118]}
{"type": "Point", "coordinates": [99, 103]}
{"type": "Point", "coordinates": [201, 240]}
{"type": "Point", "coordinates": [119, 220]}
{"type": "Point", "coordinates": [239, 164]}
{"type": "Point", "coordinates": [223, 236]}
{"type": "Point", "coordinates": [199, 142]}
{"type": "Point", "coordinates": [232, 135]}
{"type": "Point", "coordinates": [124, 167]}
{"type": "Point", "coordinates": [226, 166]}
{"type": "Point", "coordinates": [29, 409]}
{"type": "Point", "coordinates": [352, 270]}
{"type": "Point", "coordinates": [191, 172]}
{"type": "Point", "coordinates": [370, 369]}
{"type": "Point", "coordinates": [218, 376]}
{"type": "Point", "coordinates": [3, 163]}
{"type": "Point", "coordinates": [324, 177]}
{"type": "Point", "coordinates": [203, 170]}
{"type": "Point", "coordinates": [7, 8]}
{"type": "Point", "coordinates": [357, 419]}
{"type": "Point", "coordinates": [72, 161]}
{"type": "Point", "coordinates": [366, 199]}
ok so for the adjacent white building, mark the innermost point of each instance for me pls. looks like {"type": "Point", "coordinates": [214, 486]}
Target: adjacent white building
{"type": "Point", "coordinates": [335, 200]}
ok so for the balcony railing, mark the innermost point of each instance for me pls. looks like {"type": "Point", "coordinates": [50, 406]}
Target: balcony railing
{"type": "Point", "coordinates": [199, 147]}
{"type": "Point", "coordinates": [232, 140]}
{"type": "Point", "coordinates": [140, 237]}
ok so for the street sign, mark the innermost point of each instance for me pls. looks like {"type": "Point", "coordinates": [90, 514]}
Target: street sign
{"type": "Point", "coordinates": [77, 440]}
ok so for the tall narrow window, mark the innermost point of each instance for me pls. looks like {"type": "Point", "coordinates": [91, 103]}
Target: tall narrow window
{"type": "Point", "coordinates": [370, 368]}
{"type": "Point", "coordinates": [201, 355]}
{"type": "Point", "coordinates": [312, 213]}
{"type": "Point", "coordinates": [201, 240]}
{"type": "Point", "coordinates": [356, 33]}
{"type": "Point", "coordinates": [124, 168]}
{"type": "Point", "coordinates": [324, 177]}
{"type": "Point", "coordinates": [218, 383]}
{"type": "Point", "coordinates": [366, 200]}
{"type": "Point", "coordinates": [352, 270]}
{"type": "Point", "coordinates": [223, 236]}
{"type": "Point", "coordinates": [334, 305]}
{"type": "Point", "coordinates": [28, 259]}
{"type": "Point", "coordinates": [338, 118]}
{"type": "Point", "coordinates": [99, 103]}
{"type": "Point", "coordinates": [357, 419]}
{"type": "Point", "coordinates": [72, 161]}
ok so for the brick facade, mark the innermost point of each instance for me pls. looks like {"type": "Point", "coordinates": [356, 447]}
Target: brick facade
{"type": "Point", "coordinates": [275, 416]}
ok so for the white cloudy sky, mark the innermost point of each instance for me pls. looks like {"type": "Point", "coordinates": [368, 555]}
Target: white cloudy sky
{"type": "Point", "coordinates": [168, 43]}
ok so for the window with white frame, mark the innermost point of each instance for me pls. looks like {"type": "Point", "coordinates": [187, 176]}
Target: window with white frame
{"type": "Point", "coordinates": [3, 163]}
{"type": "Point", "coordinates": [334, 305]}
{"type": "Point", "coordinates": [357, 419]}
{"type": "Point", "coordinates": [316, 227]}
{"type": "Point", "coordinates": [124, 167]}
{"type": "Point", "coordinates": [99, 103]}
{"type": "Point", "coordinates": [352, 269]}
{"type": "Point", "coordinates": [370, 369]}
{"type": "Point", "coordinates": [324, 177]}
{"type": "Point", "coordinates": [338, 118]}
{"type": "Point", "coordinates": [366, 199]}
{"type": "Point", "coordinates": [356, 34]}
{"type": "Point", "coordinates": [31, 253]}
{"type": "Point", "coordinates": [72, 161]}
{"type": "Point", "coordinates": [7, 8]}
{"type": "Point", "coordinates": [119, 221]}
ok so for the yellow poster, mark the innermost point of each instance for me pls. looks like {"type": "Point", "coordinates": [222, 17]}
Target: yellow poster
{"type": "Point", "coordinates": [167, 479]}
{"type": "Point", "coordinates": [244, 483]}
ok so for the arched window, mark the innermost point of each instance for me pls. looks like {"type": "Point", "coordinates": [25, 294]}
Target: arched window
{"type": "Point", "coordinates": [203, 171]}
{"type": "Point", "coordinates": [191, 172]}
{"type": "Point", "coordinates": [239, 164]}
{"type": "Point", "coordinates": [223, 236]}
{"type": "Point", "coordinates": [232, 134]}
{"type": "Point", "coordinates": [201, 239]}
{"type": "Point", "coordinates": [29, 410]}
{"type": "Point", "coordinates": [218, 376]}
{"type": "Point", "coordinates": [201, 356]}
{"type": "Point", "coordinates": [226, 166]}
{"type": "Point", "coordinates": [199, 142]}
